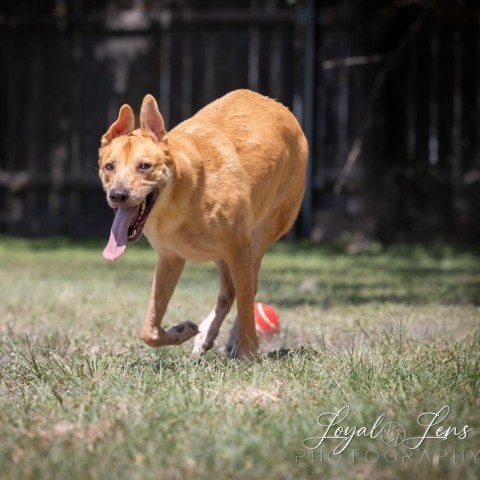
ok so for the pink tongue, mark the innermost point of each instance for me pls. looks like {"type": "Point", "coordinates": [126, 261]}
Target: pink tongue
{"type": "Point", "coordinates": [119, 234]}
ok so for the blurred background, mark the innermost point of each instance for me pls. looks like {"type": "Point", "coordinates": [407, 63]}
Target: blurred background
{"type": "Point", "coordinates": [387, 93]}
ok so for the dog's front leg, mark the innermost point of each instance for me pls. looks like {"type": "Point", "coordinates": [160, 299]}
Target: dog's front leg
{"type": "Point", "coordinates": [243, 341]}
{"type": "Point", "coordinates": [167, 272]}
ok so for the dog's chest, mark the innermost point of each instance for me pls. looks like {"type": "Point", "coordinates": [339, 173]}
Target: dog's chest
{"type": "Point", "coordinates": [185, 243]}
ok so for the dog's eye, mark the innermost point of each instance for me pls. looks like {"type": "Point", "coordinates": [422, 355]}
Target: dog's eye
{"type": "Point", "coordinates": [144, 166]}
{"type": "Point", "coordinates": [109, 166]}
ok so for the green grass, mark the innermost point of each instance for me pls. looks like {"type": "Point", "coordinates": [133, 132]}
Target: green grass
{"type": "Point", "coordinates": [393, 331]}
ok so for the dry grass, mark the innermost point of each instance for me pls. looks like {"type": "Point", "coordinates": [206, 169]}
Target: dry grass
{"type": "Point", "coordinates": [384, 331]}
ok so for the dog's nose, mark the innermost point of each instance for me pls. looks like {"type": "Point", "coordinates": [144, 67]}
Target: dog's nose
{"type": "Point", "coordinates": [119, 195]}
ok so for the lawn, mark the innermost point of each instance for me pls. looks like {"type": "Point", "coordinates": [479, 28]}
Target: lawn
{"type": "Point", "coordinates": [382, 345]}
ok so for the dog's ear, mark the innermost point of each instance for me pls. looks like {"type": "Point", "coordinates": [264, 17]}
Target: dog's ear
{"type": "Point", "coordinates": [151, 120]}
{"type": "Point", "coordinates": [123, 125]}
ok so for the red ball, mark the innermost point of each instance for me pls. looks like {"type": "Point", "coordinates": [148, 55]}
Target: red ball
{"type": "Point", "coordinates": [266, 319]}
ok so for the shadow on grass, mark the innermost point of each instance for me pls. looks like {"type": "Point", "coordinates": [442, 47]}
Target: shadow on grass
{"type": "Point", "coordinates": [304, 351]}
{"type": "Point", "coordinates": [378, 284]}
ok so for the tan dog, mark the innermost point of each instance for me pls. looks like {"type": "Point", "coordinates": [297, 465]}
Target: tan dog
{"type": "Point", "coordinates": [221, 186]}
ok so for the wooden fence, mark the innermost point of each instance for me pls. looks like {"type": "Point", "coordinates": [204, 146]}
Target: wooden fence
{"type": "Point", "coordinates": [387, 93]}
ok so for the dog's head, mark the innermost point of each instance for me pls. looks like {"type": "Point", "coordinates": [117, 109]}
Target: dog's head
{"type": "Point", "coordinates": [135, 169]}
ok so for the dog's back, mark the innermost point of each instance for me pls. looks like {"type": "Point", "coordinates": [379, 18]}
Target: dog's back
{"type": "Point", "coordinates": [251, 150]}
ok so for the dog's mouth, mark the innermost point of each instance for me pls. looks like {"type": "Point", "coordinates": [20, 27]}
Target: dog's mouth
{"type": "Point", "coordinates": [128, 226]}
{"type": "Point", "coordinates": [138, 222]}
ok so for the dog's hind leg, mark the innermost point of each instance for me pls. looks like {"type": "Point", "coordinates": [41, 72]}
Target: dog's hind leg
{"type": "Point", "coordinates": [232, 343]}
{"type": "Point", "coordinates": [243, 340]}
{"type": "Point", "coordinates": [262, 239]}
{"type": "Point", "coordinates": [209, 328]}
{"type": "Point", "coordinates": [167, 272]}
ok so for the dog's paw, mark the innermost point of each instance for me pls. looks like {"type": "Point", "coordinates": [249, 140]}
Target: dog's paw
{"type": "Point", "coordinates": [158, 337]}
{"type": "Point", "coordinates": [204, 341]}
{"type": "Point", "coordinates": [236, 353]}
{"type": "Point", "coordinates": [231, 350]}
{"type": "Point", "coordinates": [181, 333]}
